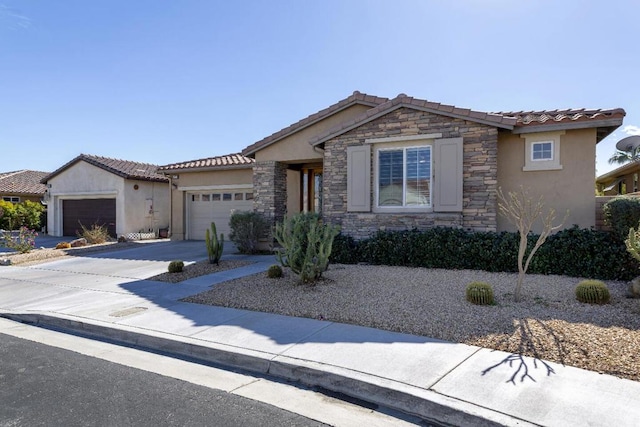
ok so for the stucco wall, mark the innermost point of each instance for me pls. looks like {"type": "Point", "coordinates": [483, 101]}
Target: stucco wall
{"type": "Point", "coordinates": [296, 148]}
{"type": "Point", "coordinates": [571, 188]}
{"type": "Point", "coordinates": [479, 174]}
{"type": "Point", "coordinates": [196, 181]}
{"type": "Point", "coordinates": [137, 215]}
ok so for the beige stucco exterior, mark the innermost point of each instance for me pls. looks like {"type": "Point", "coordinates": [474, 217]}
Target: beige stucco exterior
{"type": "Point", "coordinates": [295, 148]}
{"type": "Point", "coordinates": [198, 181]}
{"type": "Point", "coordinates": [85, 181]}
{"type": "Point", "coordinates": [569, 188]}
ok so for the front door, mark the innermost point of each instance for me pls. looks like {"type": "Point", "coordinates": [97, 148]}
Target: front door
{"type": "Point", "coordinates": [311, 195]}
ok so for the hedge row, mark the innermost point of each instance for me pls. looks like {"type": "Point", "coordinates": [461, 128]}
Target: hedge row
{"type": "Point", "coordinates": [572, 252]}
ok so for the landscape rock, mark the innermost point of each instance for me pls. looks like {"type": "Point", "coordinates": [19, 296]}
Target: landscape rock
{"type": "Point", "coordinates": [78, 242]}
{"type": "Point", "coordinates": [5, 261]}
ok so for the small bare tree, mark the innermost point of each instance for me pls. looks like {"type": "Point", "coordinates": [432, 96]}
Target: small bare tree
{"type": "Point", "coordinates": [523, 212]}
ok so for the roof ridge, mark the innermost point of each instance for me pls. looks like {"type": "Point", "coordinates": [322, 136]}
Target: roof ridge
{"type": "Point", "coordinates": [356, 97]}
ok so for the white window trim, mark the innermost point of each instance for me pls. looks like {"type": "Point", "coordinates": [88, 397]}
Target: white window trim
{"type": "Point", "coordinates": [531, 165]}
{"type": "Point", "coordinates": [401, 143]}
{"type": "Point", "coordinates": [11, 199]}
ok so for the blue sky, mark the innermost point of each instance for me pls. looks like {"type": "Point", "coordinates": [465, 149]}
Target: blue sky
{"type": "Point", "coordinates": [167, 81]}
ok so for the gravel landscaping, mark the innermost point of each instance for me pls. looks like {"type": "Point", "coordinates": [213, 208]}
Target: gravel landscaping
{"type": "Point", "coordinates": [548, 324]}
{"type": "Point", "coordinates": [197, 269]}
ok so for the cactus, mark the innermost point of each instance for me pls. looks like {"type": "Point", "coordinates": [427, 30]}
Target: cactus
{"type": "Point", "coordinates": [480, 293]}
{"type": "Point", "coordinates": [176, 266]}
{"type": "Point", "coordinates": [214, 245]}
{"type": "Point", "coordinates": [592, 292]}
{"type": "Point", "coordinates": [306, 245]}
{"type": "Point", "coordinates": [633, 243]}
{"type": "Point", "coordinates": [274, 272]}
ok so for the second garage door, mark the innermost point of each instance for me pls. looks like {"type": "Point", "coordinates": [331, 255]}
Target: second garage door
{"type": "Point", "coordinates": [215, 206]}
{"type": "Point", "coordinates": [88, 212]}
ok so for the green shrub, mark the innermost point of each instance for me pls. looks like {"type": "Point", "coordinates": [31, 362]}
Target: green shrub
{"type": "Point", "coordinates": [622, 213]}
{"type": "Point", "coordinates": [176, 266]}
{"type": "Point", "coordinates": [274, 272]}
{"type": "Point", "coordinates": [480, 293]}
{"type": "Point", "coordinates": [572, 252]}
{"type": "Point", "coordinates": [592, 292]}
{"type": "Point", "coordinates": [25, 214]}
{"type": "Point", "coordinates": [95, 235]}
{"type": "Point", "coordinates": [306, 245]}
{"type": "Point", "coordinates": [247, 228]}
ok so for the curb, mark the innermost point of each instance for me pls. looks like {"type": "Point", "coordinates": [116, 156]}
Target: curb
{"type": "Point", "coordinates": [429, 405]}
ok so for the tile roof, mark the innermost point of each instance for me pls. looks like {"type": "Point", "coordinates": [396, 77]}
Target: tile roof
{"type": "Point", "coordinates": [123, 168]}
{"type": "Point", "coordinates": [355, 98]}
{"type": "Point", "coordinates": [219, 162]}
{"type": "Point", "coordinates": [402, 100]}
{"type": "Point", "coordinates": [22, 182]}
{"type": "Point", "coordinates": [533, 118]}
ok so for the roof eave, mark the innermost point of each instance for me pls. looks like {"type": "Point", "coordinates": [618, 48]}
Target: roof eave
{"type": "Point", "coordinates": [358, 123]}
{"type": "Point", "coordinates": [248, 152]}
{"type": "Point", "coordinates": [622, 170]}
{"type": "Point", "coordinates": [205, 169]}
{"type": "Point", "coordinates": [612, 123]}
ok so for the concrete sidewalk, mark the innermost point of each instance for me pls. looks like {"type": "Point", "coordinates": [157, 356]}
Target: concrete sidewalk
{"type": "Point", "coordinates": [449, 383]}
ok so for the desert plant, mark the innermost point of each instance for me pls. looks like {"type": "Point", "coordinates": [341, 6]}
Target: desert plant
{"type": "Point", "coordinates": [306, 245]}
{"type": "Point", "coordinates": [274, 272]}
{"type": "Point", "coordinates": [29, 214]}
{"type": "Point", "coordinates": [7, 215]}
{"type": "Point", "coordinates": [96, 234]}
{"type": "Point", "coordinates": [247, 227]}
{"type": "Point", "coordinates": [214, 244]}
{"type": "Point", "coordinates": [23, 242]}
{"type": "Point", "coordinates": [480, 293]}
{"type": "Point", "coordinates": [519, 209]}
{"type": "Point", "coordinates": [622, 213]}
{"type": "Point", "coordinates": [592, 292]}
{"type": "Point", "coordinates": [176, 266]}
{"type": "Point", "coordinates": [63, 245]}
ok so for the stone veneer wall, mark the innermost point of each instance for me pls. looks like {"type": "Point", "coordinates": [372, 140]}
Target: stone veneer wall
{"type": "Point", "coordinates": [270, 190]}
{"type": "Point", "coordinates": [480, 176]}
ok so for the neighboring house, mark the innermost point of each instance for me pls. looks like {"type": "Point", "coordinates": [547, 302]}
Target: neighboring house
{"type": "Point", "coordinates": [369, 163]}
{"type": "Point", "coordinates": [206, 191]}
{"type": "Point", "coordinates": [22, 185]}
{"type": "Point", "coordinates": [127, 196]}
{"type": "Point", "coordinates": [619, 181]}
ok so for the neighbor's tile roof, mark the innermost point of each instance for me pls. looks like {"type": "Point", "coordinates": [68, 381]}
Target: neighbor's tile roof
{"type": "Point", "coordinates": [355, 98]}
{"type": "Point", "coordinates": [533, 118]}
{"type": "Point", "coordinates": [22, 182]}
{"type": "Point", "coordinates": [123, 168]}
{"type": "Point", "coordinates": [227, 161]}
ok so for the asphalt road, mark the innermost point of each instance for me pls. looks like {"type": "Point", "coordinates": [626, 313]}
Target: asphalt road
{"type": "Point", "coordinates": [43, 385]}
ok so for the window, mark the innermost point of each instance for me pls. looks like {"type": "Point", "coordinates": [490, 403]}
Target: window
{"type": "Point", "coordinates": [195, 197]}
{"type": "Point", "coordinates": [248, 196]}
{"type": "Point", "coordinates": [404, 177]}
{"type": "Point", "coordinates": [237, 196]}
{"type": "Point", "coordinates": [215, 197]}
{"type": "Point", "coordinates": [542, 151]}
{"type": "Point", "coordinates": [206, 197]}
{"type": "Point", "coordinates": [226, 197]}
{"type": "Point", "coordinates": [12, 199]}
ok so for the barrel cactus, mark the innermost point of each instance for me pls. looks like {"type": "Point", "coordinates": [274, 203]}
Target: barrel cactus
{"type": "Point", "coordinates": [274, 272]}
{"type": "Point", "coordinates": [480, 293]}
{"type": "Point", "coordinates": [176, 266]}
{"type": "Point", "coordinates": [593, 292]}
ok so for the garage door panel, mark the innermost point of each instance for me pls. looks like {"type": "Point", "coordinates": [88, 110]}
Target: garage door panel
{"type": "Point", "coordinates": [88, 212]}
{"type": "Point", "coordinates": [215, 209]}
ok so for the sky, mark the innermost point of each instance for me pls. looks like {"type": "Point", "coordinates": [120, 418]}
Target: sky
{"type": "Point", "coordinates": [169, 81]}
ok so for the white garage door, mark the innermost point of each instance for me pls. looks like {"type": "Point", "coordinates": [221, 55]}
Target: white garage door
{"type": "Point", "coordinates": [215, 206]}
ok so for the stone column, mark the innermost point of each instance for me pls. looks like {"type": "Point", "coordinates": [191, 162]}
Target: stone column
{"type": "Point", "coordinates": [270, 190]}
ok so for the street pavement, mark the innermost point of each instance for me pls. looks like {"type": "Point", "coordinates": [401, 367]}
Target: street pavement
{"type": "Point", "coordinates": [107, 296]}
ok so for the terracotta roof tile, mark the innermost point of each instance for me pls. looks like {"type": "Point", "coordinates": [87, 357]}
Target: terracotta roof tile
{"type": "Point", "coordinates": [403, 100]}
{"type": "Point", "coordinates": [123, 168]}
{"type": "Point", "coordinates": [355, 98]}
{"type": "Point", "coordinates": [532, 118]}
{"type": "Point", "coordinates": [229, 160]}
{"type": "Point", "coordinates": [22, 182]}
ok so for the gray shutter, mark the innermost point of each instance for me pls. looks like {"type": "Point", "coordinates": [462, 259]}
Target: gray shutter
{"type": "Point", "coordinates": [447, 185]}
{"type": "Point", "coordinates": [359, 178]}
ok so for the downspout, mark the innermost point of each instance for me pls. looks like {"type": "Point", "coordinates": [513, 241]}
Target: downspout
{"type": "Point", "coordinates": [169, 232]}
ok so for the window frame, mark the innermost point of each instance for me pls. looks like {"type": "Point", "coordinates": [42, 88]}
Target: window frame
{"type": "Point", "coordinates": [403, 146]}
{"type": "Point", "coordinates": [11, 199]}
{"type": "Point", "coordinates": [543, 151]}
{"type": "Point", "coordinates": [533, 139]}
